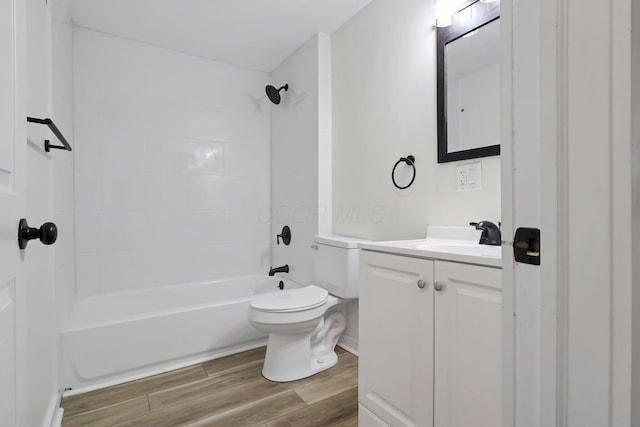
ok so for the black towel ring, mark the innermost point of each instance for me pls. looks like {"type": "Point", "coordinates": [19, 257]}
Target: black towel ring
{"type": "Point", "coordinates": [409, 160]}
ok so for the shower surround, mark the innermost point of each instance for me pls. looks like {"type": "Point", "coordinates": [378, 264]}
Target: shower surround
{"type": "Point", "coordinates": [172, 167]}
{"type": "Point", "coordinates": [172, 190]}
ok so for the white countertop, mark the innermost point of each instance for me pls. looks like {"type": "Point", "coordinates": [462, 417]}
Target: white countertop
{"type": "Point", "coordinates": [466, 251]}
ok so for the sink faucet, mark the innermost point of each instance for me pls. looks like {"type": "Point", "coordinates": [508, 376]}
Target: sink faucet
{"type": "Point", "coordinates": [490, 233]}
{"type": "Point", "coordinates": [283, 269]}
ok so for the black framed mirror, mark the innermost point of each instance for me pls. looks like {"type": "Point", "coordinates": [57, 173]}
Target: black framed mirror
{"type": "Point", "coordinates": [468, 73]}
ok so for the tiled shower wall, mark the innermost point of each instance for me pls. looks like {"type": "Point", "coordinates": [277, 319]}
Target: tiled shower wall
{"type": "Point", "coordinates": [301, 152]}
{"type": "Point", "coordinates": [172, 167]}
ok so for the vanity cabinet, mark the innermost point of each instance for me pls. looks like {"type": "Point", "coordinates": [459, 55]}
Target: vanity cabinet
{"type": "Point", "coordinates": [396, 339]}
{"type": "Point", "coordinates": [430, 342]}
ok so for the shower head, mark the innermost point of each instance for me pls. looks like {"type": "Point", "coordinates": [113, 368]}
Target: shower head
{"type": "Point", "coordinates": [274, 94]}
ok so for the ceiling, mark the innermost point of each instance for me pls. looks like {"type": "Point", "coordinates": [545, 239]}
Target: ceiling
{"type": "Point", "coordinates": [254, 34]}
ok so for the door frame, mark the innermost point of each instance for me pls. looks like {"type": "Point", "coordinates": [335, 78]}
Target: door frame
{"type": "Point", "coordinates": [566, 145]}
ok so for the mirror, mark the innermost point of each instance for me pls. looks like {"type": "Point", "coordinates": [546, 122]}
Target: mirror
{"type": "Point", "coordinates": [469, 84]}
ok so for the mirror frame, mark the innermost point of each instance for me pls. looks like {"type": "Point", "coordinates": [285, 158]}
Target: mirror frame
{"type": "Point", "coordinates": [481, 14]}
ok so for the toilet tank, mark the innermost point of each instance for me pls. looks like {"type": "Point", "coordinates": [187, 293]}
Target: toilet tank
{"type": "Point", "coordinates": [336, 265]}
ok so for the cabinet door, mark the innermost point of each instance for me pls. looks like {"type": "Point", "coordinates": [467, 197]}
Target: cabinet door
{"type": "Point", "coordinates": [366, 418]}
{"type": "Point", "coordinates": [396, 338]}
{"type": "Point", "coordinates": [467, 341]}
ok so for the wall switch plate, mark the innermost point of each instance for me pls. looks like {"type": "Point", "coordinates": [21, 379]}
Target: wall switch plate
{"type": "Point", "coordinates": [469, 177]}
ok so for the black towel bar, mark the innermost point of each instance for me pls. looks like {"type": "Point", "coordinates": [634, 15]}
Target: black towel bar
{"type": "Point", "coordinates": [47, 145]}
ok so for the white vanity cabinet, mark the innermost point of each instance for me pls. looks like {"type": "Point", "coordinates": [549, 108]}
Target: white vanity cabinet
{"type": "Point", "coordinates": [430, 342]}
{"type": "Point", "coordinates": [396, 339]}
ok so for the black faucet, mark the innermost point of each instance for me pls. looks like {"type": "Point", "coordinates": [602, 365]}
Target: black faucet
{"type": "Point", "coordinates": [490, 233]}
{"type": "Point", "coordinates": [283, 269]}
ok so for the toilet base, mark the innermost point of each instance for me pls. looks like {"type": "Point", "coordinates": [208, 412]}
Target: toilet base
{"type": "Point", "coordinates": [325, 362]}
{"type": "Point", "coordinates": [288, 358]}
{"type": "Point", "coordinates": [302, 343]}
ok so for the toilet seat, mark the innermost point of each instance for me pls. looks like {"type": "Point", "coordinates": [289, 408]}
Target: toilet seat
{"type": "Point", "coordinates": [290, 300]}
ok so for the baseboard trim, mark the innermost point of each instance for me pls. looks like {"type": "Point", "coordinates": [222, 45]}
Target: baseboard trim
{"type": "Point", "coordinates": [349, 344]}
{"type": "Point", "coordinates": [57, 417]}
{"type": "Point", "coordinates": [54, 414]}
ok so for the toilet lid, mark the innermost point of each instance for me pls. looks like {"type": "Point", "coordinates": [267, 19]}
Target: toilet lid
{"type": "Point", "coordinates": [298, 299]}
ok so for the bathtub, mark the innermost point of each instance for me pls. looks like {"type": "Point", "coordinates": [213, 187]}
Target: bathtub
{"type": "Point", "coordinates": [113, 338]}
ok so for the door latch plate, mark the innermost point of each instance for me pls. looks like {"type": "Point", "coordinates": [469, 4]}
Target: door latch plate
{"type": "Point", "coordinates": [526, 246]}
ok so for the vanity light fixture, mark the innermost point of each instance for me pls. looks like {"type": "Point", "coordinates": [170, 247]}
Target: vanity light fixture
{"type": "Point", "coordinates": [448, 12]}
{"type": "Point", "coordinates": [444, 20]}
{"type": "Point", "coordinates": [445, 12]}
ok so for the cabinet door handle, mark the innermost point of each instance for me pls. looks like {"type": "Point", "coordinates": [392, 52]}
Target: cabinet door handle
{"type": "Point", "coordinates": [438, 286]}
{"type": "Point", "coordinates": [422, 284]}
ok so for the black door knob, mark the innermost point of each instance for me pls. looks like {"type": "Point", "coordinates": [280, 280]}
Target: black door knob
{"type": "Point", "coordinates": [47, 233]}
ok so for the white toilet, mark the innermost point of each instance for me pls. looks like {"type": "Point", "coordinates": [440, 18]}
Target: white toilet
{"type": "Point", "coordinates": [304, 324]}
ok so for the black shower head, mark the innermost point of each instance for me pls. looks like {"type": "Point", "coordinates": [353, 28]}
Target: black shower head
{"type": "Point", "coordinates": [274, 94]}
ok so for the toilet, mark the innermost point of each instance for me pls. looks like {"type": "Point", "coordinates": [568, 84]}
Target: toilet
{"type": "Point", "coordinates": [304, 324]}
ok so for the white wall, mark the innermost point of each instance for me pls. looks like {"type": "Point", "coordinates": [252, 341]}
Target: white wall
{"type": "Point", "coordinates": [384, 108]}
{"type": "Point", "coordinates": [301, 156]}
{"type": "Point", "coordinates": [172, 166]}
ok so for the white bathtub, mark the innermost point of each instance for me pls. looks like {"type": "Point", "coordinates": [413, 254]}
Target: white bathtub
{"type": "Point", "coordinates": [112, 338]}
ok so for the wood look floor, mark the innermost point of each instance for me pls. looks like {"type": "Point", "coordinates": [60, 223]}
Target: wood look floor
{"type": "Point", "coordinates": [230, 391]}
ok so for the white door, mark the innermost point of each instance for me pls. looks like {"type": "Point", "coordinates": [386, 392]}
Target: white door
{"type": "Point", "coordinates": [396, 338]}
{"type": "Point", "coordinates": [467, 345]}
{"type": "Point", "coordinates": [12, 184]}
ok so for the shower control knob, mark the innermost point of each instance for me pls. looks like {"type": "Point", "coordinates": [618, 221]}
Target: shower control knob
{"type": "Point", "coordinates": [285, 235]}
{"type": "Point", "coordinates": [438, 286]}
{"type": "Point", "coordinates": [422, 284]}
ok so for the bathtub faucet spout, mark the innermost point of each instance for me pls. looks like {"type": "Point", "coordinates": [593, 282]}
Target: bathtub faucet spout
{"type": "Point", "coordinates": [283, 269]}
